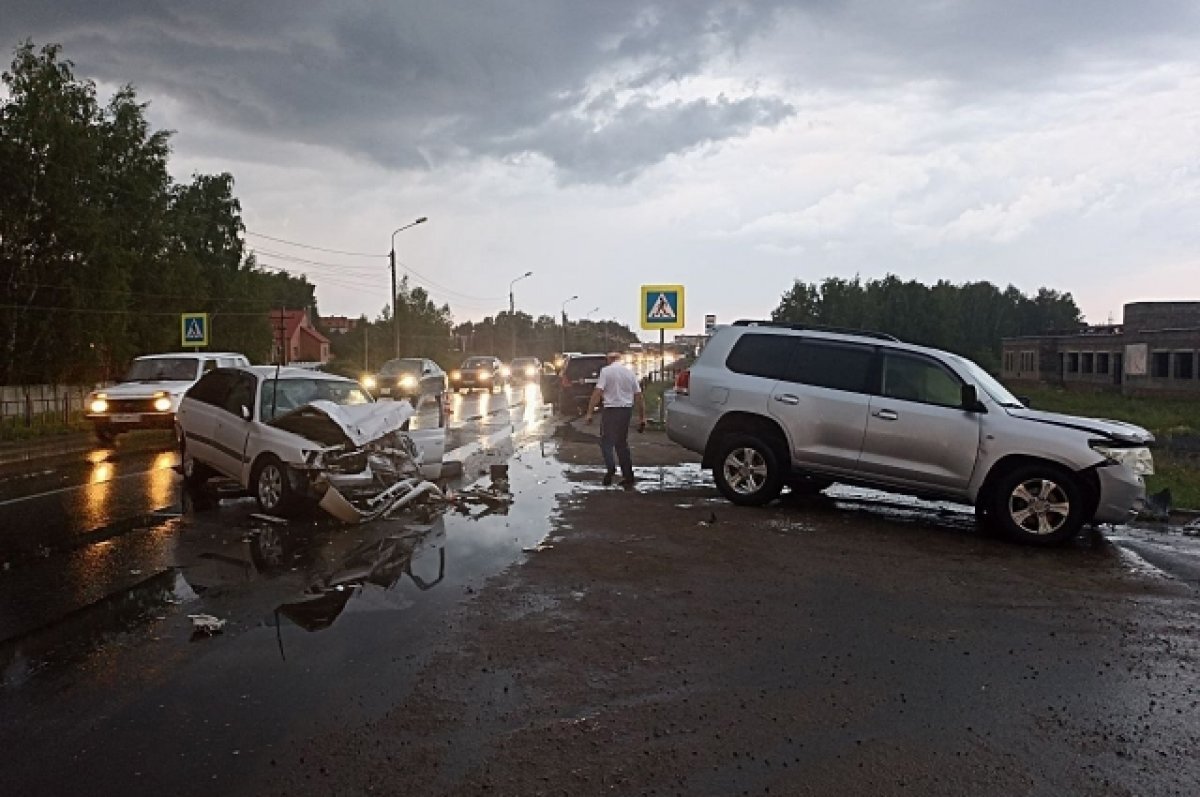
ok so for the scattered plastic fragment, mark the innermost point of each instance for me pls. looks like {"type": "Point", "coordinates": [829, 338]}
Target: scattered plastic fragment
{"type": "Point", "coordinates": [206, 624]}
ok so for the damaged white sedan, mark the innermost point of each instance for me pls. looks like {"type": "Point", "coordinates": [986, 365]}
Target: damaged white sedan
{"type": "Point", "coordinates": [290, 434]}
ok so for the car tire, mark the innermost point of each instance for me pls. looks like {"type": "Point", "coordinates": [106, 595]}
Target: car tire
{"type": "Point", "coordinates": [1037, 505]}
{"type": "Point", "coordinates": [195, 473]}
{"type": "Point", "coordinates": [271, 485]}
{"type": "Point", "coordinates": [747, 470]}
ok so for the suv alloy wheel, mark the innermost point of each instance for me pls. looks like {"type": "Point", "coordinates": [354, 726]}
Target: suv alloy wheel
{"type": "Point", "coordinates": [748, 471]}
{"type": "Point", "coordinates": [1038, 504]}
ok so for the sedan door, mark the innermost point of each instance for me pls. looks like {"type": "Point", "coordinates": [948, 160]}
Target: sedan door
{"type": "Point", "coordinates": [198, 414]}
{"type": "Point", "coordinates": [233, 427]}
{"type": "Point", "coordinates": [918, 435]}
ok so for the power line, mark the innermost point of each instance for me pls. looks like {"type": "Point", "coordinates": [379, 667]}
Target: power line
{"type": "Point", "coordinates": [310, 246]}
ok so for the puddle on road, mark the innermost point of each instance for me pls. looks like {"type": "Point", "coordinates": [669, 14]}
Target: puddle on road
{"type": "Point", "coordinates": [310, 591]}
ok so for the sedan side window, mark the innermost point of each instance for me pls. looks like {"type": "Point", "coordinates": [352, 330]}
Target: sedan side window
{"type": "Point", "coordinates": [917, 379]}
{"type": "Point", "coordinates": [212, 388]}
{"type": "Point", "coordinates": [241, 395]}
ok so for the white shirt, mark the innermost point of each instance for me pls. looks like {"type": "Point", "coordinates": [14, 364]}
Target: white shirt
{"type": "Point", "coordinates": [618, 384]}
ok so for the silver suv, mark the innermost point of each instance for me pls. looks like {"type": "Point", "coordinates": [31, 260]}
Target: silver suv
{"type": "Point", "coordinates": [769, 405]}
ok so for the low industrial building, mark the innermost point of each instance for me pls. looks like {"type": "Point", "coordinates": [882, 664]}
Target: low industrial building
{"type": "Point", "coordinates": [1152, 352]}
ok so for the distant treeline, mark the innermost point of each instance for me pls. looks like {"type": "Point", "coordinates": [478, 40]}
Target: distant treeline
{"type": "Point", "coordinates": [969, 319]}
{"type": "Point", "coordinates": [100, 250]}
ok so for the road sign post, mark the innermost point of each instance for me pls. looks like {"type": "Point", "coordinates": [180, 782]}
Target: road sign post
{"type": "Point", "coordinates": [194, 330]}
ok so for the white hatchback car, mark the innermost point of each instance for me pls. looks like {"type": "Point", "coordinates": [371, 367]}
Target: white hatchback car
{"type": "Point", "coordinates": [275, 431]}
{"type": "Point", "coordinates": [148, 395]}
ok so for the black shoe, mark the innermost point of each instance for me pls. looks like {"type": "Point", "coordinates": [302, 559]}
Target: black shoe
{"type": "Point", "coordinates": [608, 477]}
{"type": "Point", "coordinates": [628, 482]}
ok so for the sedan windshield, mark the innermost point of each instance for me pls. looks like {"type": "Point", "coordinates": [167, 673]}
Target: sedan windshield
{"type": "Point", "coordinates": [163, 369]}
{"type": "Point", "coordinates": [478, 362]}
{"type": "Point", "coordinates": [395, 367]}
{"type": "Point", "coordinates": [284, 395]}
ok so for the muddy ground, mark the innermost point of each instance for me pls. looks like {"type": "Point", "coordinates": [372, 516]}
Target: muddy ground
{"type": "Point", "coordinates": [662, 641]}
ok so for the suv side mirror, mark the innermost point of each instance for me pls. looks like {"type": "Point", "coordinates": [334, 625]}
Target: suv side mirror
{"type": "Point", "coordinates": [970, 400]}
{"type": "Point", "coordinates": [245, 413]}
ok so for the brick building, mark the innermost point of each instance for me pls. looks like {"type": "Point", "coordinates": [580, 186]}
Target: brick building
{"type": "Point", "coordinates": [1153, 352]}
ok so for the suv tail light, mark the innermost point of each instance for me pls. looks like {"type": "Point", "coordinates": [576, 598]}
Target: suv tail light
{"type": "Point", "coordinates": [682, 381]}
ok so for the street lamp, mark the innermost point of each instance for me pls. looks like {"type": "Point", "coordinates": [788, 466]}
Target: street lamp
{"type": "Point", "coordinates": [589, 313]}
{"type": "Point", "coordinates": [512, 310]}
{"type": "Point", "coordinates": [564, 321]}
{"type": "Point", "coordinates": [392, 257]}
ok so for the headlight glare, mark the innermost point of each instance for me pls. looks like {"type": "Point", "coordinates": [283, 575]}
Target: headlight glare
{"type": "Point", "coordinates": [98, 406]}
{"type": "Point", "coordinates": [369, 382]}
{"type": "Point", "coordinates": [162, 403]}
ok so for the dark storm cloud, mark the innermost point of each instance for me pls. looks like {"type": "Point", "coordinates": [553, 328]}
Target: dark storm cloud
{"type": "Point", "coordinates": [575, 82]}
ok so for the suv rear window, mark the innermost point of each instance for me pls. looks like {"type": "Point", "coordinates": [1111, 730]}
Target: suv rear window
{"type": "Point", "coordinates": [762, 355]}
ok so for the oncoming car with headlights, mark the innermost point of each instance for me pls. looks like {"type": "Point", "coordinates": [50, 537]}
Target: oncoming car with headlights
{"type": "Point", "coordinates": [484, 373]}
{"type": "Point", "coordinates": [407, 377]}
{"type": "Point", "coordinates": [148, 395]}
{"type": "Point", "coordinates": [524, 370]}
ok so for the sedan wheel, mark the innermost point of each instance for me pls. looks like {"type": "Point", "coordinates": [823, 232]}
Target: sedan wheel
{"type": "Point", "coordinates": [748, 472]}
{"type": "Point", "coordinates": [271, 486]}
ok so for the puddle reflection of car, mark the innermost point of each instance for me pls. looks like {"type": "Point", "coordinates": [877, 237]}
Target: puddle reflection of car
{"type": "Point", "coordinates": [276, 432]}
{"type": "Point", "coordinates": [376, 563]}
{"type": "Point", "coordinates": [407, 377]}
{"type": "Point", "coordinates": [483, 373]}
{"type": "Point", "coordinates": [148, 395]}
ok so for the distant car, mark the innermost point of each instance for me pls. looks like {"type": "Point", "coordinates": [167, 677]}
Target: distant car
{"type": "Point", "coordinates": [485, 373]}
{"type": "Point", "coordinates": [148, 395]}
{"type": "Point", "coordinates": [407, 377]}
{"type": "Point", "coordinates": [524, 370]}
{"type": "Point", "coordinates": [268, 429]}
{"type": "Point", "coordinates": [576, 381]}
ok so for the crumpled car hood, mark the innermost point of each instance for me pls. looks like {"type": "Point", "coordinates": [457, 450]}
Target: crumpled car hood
{"type": "Point", "coordinates": [1114, 430]}
{"type": "Point", "coordinates": [335, 424]}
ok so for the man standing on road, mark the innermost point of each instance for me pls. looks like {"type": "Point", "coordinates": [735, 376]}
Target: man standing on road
{"type": "Point", "coordinates": [618, 391]}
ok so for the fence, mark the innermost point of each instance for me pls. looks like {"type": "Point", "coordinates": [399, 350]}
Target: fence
{"type": "Point", "coordinates": [42, 405]}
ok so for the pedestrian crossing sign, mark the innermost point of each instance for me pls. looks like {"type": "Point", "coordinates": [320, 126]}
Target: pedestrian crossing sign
{"type": "Point", "coordinates": [662, 307]}
{"type": "Point", "coordinates": [194, 329]}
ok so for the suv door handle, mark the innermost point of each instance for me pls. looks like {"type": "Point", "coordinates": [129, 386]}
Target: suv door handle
{"type": "Point", "coordinates": [886, 415]}
{"type": "Point", "coordinates": [787, 398]}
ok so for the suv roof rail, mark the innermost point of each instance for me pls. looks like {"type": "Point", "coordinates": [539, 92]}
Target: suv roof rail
{"type": "Point", "coordinates": [865, 333]}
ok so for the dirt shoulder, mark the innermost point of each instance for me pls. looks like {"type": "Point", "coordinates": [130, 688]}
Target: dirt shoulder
{"type": "Point", "coordinates": [664, 641]}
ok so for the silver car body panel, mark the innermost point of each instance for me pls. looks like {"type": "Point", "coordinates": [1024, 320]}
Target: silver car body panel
{"type": "Point", "coordinates": [904, 446]}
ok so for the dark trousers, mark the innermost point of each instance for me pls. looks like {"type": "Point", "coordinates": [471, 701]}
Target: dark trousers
{"type": "Point", "coordinates": [614, 437]}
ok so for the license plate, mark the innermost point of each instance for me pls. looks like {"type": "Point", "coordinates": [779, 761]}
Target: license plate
{"type": "Point", "coordinates": [126, 417]}
{"type": "Point", "coordinates": [387, 391]}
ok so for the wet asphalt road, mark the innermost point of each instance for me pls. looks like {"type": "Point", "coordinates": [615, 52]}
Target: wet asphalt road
{"type": "Point", "coordinates": [104, 559]}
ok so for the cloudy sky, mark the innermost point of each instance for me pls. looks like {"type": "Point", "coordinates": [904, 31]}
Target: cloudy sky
{"type": "Point", "coordinates": [730, 146]}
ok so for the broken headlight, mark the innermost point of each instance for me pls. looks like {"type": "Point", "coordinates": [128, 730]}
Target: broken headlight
{"type": "Point", "coordinates": [1138, 459]}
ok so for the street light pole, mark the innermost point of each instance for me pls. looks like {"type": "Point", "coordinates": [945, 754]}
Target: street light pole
{"type": "Point", "coordinates": [392, 258]}
{"type": "Point", "coordinates": [512, 310]}
{"type": "Point", "coordinates": [564, 322]}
